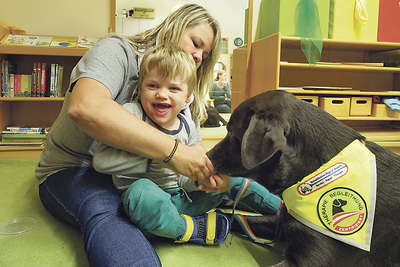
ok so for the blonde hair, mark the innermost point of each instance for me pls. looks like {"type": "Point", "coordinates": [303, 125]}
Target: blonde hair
{"type": "Point", "coordinates": [171, 61]}
{"type": "Point", "coordinates": [171, 31]}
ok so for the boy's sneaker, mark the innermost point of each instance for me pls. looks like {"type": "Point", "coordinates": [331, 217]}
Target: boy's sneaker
{"type": "Point", "coordinates": [211, 228]}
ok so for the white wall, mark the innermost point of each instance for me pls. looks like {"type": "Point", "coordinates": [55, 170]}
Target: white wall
{"type": "Point", "coordinates": [229, 13]}
{"type": "Point", "coordinates": [92, 17]}
{"type": "Point", "coordinates": [55, 17]}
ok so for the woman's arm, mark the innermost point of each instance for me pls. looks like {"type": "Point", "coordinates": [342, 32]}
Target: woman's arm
{"type": "Point", "coordinates": [228, 91]}
{"type": "Point", "coordinates": [94, 111]}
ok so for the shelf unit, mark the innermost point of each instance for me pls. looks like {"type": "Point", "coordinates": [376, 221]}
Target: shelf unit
{"type": "Point", "coordinates": [34, 111]}
{"type": "Point", "coordinates": [278, 62]}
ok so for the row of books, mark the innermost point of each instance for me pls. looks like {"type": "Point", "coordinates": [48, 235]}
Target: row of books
{"type": "Point", "coordinates": [26, 40]}
{"type": "Point", "coordinates": [37, 84]}
{"type": "Point", "coordinates": [24, 136]}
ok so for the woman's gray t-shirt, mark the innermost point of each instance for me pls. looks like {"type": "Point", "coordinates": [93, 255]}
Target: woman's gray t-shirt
{"type": "Point", "coordinates": [112, 62]}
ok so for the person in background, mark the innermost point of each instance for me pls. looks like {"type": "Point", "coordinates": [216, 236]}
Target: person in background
{"type": "Point", "coordinates": [221, 93]}
{"type": "Point", "coordinates": [102, 81]}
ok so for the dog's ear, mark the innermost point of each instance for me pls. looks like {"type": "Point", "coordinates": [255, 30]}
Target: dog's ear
{"type": "Point", "coordinates": [262, 139]}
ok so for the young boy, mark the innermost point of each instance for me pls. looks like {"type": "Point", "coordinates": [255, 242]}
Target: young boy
{"type": "Point", "coordinates": [159, 201]}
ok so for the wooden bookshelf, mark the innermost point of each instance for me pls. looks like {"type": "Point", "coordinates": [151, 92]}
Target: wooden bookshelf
{"type": "Point", "coordinates": [278, 62]}
{"type": "Point", "coordinates": [34, 111]}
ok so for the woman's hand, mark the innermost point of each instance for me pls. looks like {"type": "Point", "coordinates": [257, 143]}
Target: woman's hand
{"type": "Point", "coordinates": [194, 164]}
{"type": "Point", "coordinates": [221, 181]}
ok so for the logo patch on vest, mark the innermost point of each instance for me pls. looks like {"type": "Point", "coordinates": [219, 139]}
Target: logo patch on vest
{"type": "Point", "coordinates": [322, 179]}
{"type": "Point", "coordinates": [342, 211]}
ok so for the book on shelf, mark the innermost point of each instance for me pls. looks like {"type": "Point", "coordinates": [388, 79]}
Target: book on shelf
{"type": "Point", "coordinates": [59, 79]}
{"type": "Point", "coordinates": [15, 135]}
{"type": "Point", "coordinates": [56, 75]}
{"type": "Point", "coordinates": [87, 41]}
{"type": "Point", "coordinates": [42, 80]}
{"type": "Point", "coordinates": [22, 134]}
{"type": "Point", "coordinates": [37, 138]}
{"type": "Point", "coordinates": [2, 78]}
{"type": "Point", "coordinates": [28, 86]}
{"type": "Point", "coordinates": [64, 42]}
{"type": "Point", "coordinates": [26, 129]}
{"type": "Point", "coordinates": [36, 84]}
{"type": "Point", "coordinates": [44, 41]}
{"type": "Point", "coordinates": [36, 79]}
{"type": "Point", "coordinates": [52, 79]}
{"type": "Point", "coordinates": [19, 85]}
{"type": "Point", "coordinates": [13, 144]}
{"type": "Point", "coordinates": [28, 40]}
{"type": "Point", "coordinates": [38, 74]}
{"type": "Point", "coordinates": [11, 85]}
{"type": "Point", "coordinates": [7, 68]}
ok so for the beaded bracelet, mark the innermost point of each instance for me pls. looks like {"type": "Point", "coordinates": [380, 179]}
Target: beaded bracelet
{"type": "Point", "coordinates": [173, 151]}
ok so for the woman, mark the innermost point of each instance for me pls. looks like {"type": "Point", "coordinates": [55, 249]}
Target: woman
{"type": "Point", "coordinates": [103, 80]}
{"type": "Point", "coordinates": [221, 93]}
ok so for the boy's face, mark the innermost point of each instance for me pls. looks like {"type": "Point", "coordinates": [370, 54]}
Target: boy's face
{"type": "Point", "coordinates": [163, 98]}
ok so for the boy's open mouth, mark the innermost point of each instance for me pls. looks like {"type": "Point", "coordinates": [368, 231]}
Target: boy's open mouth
{"type": "Point", "coordinates": [161, 108]}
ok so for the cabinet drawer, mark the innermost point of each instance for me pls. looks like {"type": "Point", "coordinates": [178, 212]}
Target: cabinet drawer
{"type": "Point", "coordinates": [312, 99]}
{"type": "Point", "coordinates": [336, 106]}
{"type": "Point", "coordinates": [360, 106]}
{"type": "Point", "coordinates": [381, 110]}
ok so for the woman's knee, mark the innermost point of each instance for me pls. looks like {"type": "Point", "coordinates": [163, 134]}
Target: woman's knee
{"type": "Point", "coordinates": [223, 108]}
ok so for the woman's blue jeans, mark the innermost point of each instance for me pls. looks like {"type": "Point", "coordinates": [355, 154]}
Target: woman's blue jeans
{"type": "Point", "coordinates": [86, 199]}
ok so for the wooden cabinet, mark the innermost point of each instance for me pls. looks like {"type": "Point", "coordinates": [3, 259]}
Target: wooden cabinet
{"type": "Point", "coordinates": [34, 111]}
{"type": "Point", "coordinates": [278, 62]}
{"type": "Point", "coordinates": [238, 73]}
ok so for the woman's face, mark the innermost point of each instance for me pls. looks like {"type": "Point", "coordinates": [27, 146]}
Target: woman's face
{"type": "Point", "coordinates": [198, 40]}
{"type": "Point", "coordinates": [223, 76]}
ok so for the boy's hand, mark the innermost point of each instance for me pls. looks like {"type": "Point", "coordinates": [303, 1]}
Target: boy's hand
{"type": "Point", "coordinates": [216, 183]}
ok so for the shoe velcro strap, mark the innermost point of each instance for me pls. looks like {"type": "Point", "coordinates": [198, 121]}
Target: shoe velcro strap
{"type": "Point", "coordinates": [211, 227]}
{"type": "Point", "coordinates": [189, 229]}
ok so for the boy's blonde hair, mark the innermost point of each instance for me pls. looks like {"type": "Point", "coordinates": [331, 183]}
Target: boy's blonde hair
{"type": "Point", "coordinates": [171, 61]}
{"type": "Point", "coordinates": [171, 31]}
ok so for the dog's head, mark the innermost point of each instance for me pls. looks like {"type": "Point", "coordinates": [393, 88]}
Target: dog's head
{"type": "Point", "coordinates": [277, 139]}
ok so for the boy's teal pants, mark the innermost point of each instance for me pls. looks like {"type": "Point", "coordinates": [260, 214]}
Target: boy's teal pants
{"type": "Point", "coordinates": [157, 211]}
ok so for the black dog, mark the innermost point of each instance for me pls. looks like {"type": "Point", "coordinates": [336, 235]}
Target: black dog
{"type": "Point", "coordinates": [214, 119]}
{"type": "Point", "coordinates": [278, 140]}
